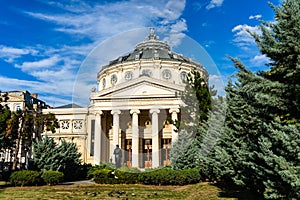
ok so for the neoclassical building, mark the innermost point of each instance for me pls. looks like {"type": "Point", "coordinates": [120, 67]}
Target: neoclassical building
{"type": "Point", "coordinates": [138, 95]}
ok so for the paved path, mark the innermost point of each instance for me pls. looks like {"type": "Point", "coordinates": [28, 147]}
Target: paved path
{"type": "Point", "coordinates": [84, 182]}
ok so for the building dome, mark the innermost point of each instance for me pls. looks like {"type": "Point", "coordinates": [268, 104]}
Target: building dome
{"type": "Point", "coordinates": [152, 58]}
{"type": "Point", "coordinates": [138, 94]}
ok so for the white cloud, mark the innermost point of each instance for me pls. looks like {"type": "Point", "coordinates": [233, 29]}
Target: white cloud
{"type": "Point", "coordinates": [176, 33]}
{"type": "Point", "coordinates": [48, 91]}
{"type": "Point", "coordinates": [259, 60]}
{"type": "Point", "coordinates": [218, 82]}
{"type": "Point", "coordinates": [255, 16]}
{"type": "Point", "coordinates": [9, 54]}
{"type": "Point", "coordinates": [44, 63]}
{"type": "Point", "coordinates": [55, 67]}
{"type": "Point", "coordinates": [214, 3]}
{"type": "Point", "coordinates": [242, 38]}
{"type": "Point", "coordinates": [104, 20]}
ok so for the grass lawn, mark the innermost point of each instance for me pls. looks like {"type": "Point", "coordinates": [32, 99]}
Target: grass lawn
{"type": "Point", "coordinates": [200, 191]}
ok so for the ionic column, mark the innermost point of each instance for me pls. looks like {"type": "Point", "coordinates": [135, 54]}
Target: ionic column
{"type": "Point", "coordinates": [135, 137]}
{"type": "Point", "coordinates": [174, 117]}
{"type": "Point", "coordinates": [155, 138]}
{"type": "Point", "coordinates": [116, 125]}
{"type": "Point", "coordinates": [98, 138]}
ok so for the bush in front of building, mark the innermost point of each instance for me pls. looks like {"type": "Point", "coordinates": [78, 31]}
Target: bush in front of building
{"type": "Point", "coordinates": [105, 176]}
{"type": "Point", "coordinates": [91, 170]}
{"type": "Point", "coordinates": [127, 175]}
{"type": "Point", "coordinates": [51, 177]}
{"type": "Point", "coordinates": [163, 176]}
{"type": "Point", "coordinates": [25, 177]}
{"type": "Point", "coordinates": [167, 176]}
{"type": "Point", "coordinates": [191, 176]}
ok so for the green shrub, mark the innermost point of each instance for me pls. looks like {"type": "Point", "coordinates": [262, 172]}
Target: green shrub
{"type": "Point", "coordinates": [167, 176]}
{"type": "Point", "coordinates": [161, 176]}
{"type": "Point", "coordinates": [52, 177]}
{"type": "Point", "coordinates": [25, 177]}
{"type": "Point", "coordinates": [83, 171]}
{"type": "Point", "coordinates": [192, 176]}
{"type": "Point", "coordinates": [104, 176]}
{"type": "Point", "coordinates": [127, 175]}
{"type": "Point", "coordinates": [90, 173]}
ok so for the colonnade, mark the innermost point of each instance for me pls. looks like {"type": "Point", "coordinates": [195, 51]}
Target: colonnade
{"type": "Point", "coordinates": [135, 144]}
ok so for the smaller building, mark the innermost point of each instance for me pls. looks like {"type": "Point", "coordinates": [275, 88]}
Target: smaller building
{"type": "Point", "coordinates": [72, 120]}
{"type": "Point", "coordinates": [21, 100]}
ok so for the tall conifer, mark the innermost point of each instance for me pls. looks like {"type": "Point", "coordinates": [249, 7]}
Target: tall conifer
{"type": "Point", "coordinates": [260, 147]}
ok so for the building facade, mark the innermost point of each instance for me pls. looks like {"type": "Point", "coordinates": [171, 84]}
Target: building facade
{"type": "Point", "coordinates": [20, 100]}
{"type": "Point", "coordinates": [138, 96]}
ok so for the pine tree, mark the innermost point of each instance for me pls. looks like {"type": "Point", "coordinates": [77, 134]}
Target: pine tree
{"type": "Point", "coordinates": [257, 151]}
{"type": "Point", "coordinates": [280, 41]}
{"type": "Point", "coordinates": [65, 157]}
{"type": "Point", "coordinates": [260, 146]}
{"type": "Point", "coordinates": [185, 153]}
{"type": "Point", "coordinates": [197, 99]}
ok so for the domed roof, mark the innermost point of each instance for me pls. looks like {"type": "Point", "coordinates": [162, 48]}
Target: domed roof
{"type": "Point", "coordinates": [151, 48]}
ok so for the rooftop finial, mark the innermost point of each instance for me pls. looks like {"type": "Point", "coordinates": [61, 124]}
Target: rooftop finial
{"type": "Point", "coordinates": [152, 35]}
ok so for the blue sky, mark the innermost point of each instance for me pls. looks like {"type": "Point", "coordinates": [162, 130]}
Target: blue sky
{"type": "Point", "coordinates": [48, 46]}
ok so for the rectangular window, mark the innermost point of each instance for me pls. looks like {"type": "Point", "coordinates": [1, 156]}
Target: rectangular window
{"type": "Point", "coordinates": [92, 137]}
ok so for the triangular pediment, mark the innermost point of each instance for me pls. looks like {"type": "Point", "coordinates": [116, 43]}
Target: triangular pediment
{"type": "Point", "coordinates": [144, 87]}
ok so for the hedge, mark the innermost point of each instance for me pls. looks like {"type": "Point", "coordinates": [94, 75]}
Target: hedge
{"type": "Point", "coordinates": [52, 177]}
{"type": "Point", "coordinates": [104, 176]}
{"type": "Point", "coordinates": [163, 176]}
{"type": "Point", "coordinates": [25, 177]}
{"type": "Point", "coordinates": [127, 175]}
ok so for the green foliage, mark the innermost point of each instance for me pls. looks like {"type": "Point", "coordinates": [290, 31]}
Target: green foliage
{"type": "Point", "coordinates": [83, 170]}
{"type": "Point", "coordinates": [160, 176]}
{"type": "Point", "coordinates": [167, 176]}
{"type": "Point", "coordinates": [280, 42]}
{"type": "Point", "coordinates": [47, 121]}
{"type": "Point", "coordinates": [197, 99]}
{"type": "Point", "coordinates": [127, 175]}
{"type": "Point", "coordinates": [25, 177]}
{"type": "Point", "coordinates": [52, 177]}
{"type": "Point", "coordinates": [17, 128]}
{"type": "Point", "coordinates": [257, 151]}
{"type": "Point", "coordinates": [185, 152]}
{"type": "Point", "coordinates": [64, 157]}
{"type": "Point", "coordinates": [259, 147]}
{"type": "Point", "coordinates": [5, 116]}
{"type": "Point", "coordinates": [90, 173]}
{"type": "Point", "coordinates": [104, 176]}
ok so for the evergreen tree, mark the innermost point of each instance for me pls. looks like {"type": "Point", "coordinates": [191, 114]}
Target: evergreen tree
{"type": "Point", "coordinates": [260, 145]}
{"type": "Point", "coordinates": [185, 153]}
{"type": "Point", "coordinates": [190, 151]}
{"type": "Point", "coordinates": [280, 42]}
{"type": "Point", "coordinates": [257, 151]}
{"type": "Point", "coordinates": [65, 157]}
{"type": "Point", "coordinates": [197, 100]}
{"type": "Point", "coordinates": [212, 129]}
